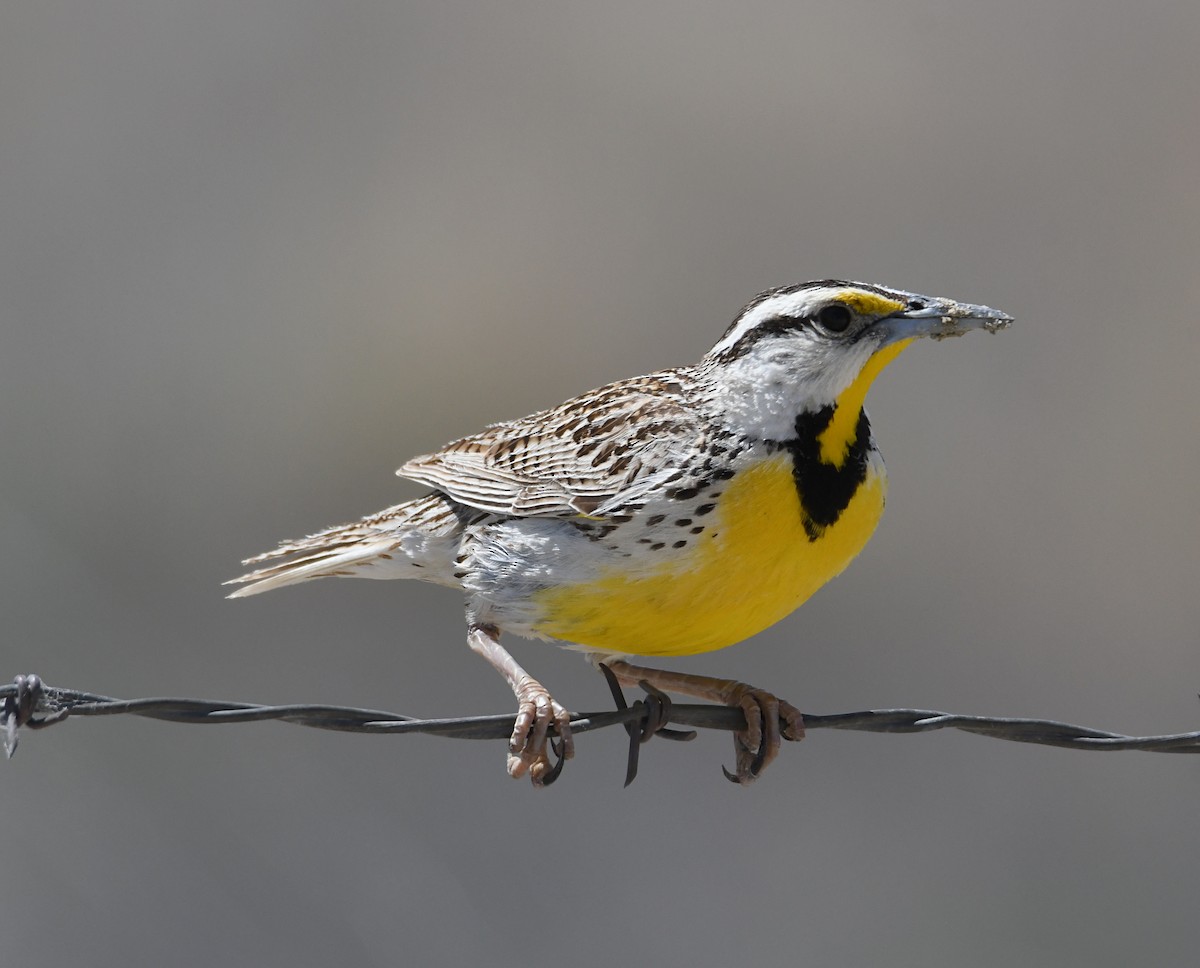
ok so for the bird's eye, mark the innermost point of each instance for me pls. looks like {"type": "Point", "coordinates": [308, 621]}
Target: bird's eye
{"type": "Point", "coordinates": [835, 317]}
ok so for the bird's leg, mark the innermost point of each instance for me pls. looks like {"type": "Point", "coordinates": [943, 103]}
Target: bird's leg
{"type": "Point", "coordinates": [755, 746]}
{"type": "Point", "coordinates": [536, 710]}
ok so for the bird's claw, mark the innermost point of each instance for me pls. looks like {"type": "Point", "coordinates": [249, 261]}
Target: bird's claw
{"type": "Point", "coordinates": [756, 746]}
{"type": "Point", "coordinates": [531, 743]}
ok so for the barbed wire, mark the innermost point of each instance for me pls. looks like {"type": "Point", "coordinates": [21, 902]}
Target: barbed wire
{"type": "Point", "coordinates": [28, 702]}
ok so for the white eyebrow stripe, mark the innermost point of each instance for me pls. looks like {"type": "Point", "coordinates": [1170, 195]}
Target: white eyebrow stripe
{"type": "Point", "coordinates": [786, 304]}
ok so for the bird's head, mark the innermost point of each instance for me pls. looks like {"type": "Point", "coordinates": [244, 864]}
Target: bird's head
{"type": "Point", "coordinates": [800, 348]}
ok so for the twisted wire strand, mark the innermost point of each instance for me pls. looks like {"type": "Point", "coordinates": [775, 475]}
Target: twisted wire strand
{"type": "Point", "coordinates": [28, 702]}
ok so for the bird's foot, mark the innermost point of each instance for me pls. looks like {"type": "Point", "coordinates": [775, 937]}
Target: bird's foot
{"type": "Point", "coordinates": [756, 746]}
{"type": "Point", "coordinates": [531, 742]}
{"type": "Point", "coordinates": [769, 719]}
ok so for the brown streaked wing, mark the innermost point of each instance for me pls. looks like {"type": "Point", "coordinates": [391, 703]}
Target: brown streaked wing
{"type": "Point", "coordinates": [591, 455]}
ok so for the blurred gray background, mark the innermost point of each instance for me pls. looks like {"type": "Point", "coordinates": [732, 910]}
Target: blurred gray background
{"type": "Point", "coordinates": [253, 255]}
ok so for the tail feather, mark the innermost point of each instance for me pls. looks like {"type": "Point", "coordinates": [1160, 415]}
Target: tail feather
{"type": "Point", "coordinates": [348, 562]}
{"type": "Point", "coordinates": [409, 540]}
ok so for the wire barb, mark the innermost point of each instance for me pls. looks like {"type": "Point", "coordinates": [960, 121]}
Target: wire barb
{"type": "Point", "coordinates": [28, 701]}
{"type": "Point", "coordinates": [21, 700]}
{"type": "Point", "coordinates": [657, 709]}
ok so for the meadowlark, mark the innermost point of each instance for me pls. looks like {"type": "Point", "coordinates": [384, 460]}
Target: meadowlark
{"type": "Point", "coordinates": [668, 514]}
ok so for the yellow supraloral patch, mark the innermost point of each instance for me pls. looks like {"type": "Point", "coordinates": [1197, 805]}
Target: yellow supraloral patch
{"type": "Point", "coordinates": [870, 304]}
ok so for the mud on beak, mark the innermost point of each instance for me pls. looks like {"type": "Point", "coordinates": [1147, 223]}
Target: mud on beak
{"type": "Point", "coordinates": [939, 319]}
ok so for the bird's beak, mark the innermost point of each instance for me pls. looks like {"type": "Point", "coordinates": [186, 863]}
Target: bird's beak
{"type": "Point", "coordinates": [939, 319]}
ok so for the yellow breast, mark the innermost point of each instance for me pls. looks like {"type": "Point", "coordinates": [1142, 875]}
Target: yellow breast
{"type": "Point", "coordinates": [755, 565]}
